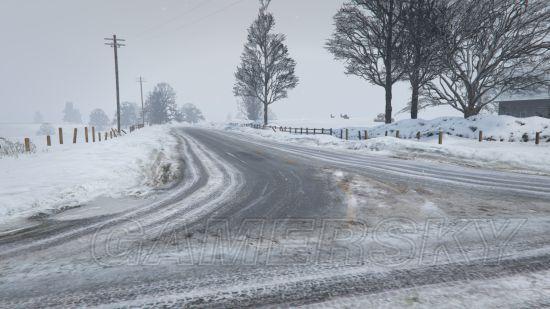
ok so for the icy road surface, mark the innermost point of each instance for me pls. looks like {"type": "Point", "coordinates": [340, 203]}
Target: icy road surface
{"type": "Point", "coordinates": [253, 222]}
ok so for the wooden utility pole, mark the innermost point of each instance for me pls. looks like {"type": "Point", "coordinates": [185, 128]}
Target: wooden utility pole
{"type": "Point", "coordinates": [114, 43]}
{"type": "Point", "coordinates": [141, 81]}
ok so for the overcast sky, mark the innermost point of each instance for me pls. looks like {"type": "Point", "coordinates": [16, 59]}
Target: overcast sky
{"type": "Point", "coordinates": [53, 52]}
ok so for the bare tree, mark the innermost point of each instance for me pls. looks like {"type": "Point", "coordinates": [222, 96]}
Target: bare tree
{"type": "Point", "coordinates": [160, 106]}
{"type": "Point", "coordinates": [71, 114]}
{"type": "Point", "coordinates": [423, 22]}
{"type": "Point", "coordinates": [190, 113]}
{"type": "Point", "coordinates": [251, 108]}
{"type": "Point", "coordinates": [46, 129]}
{"type": "Point", "coordinates": [129, 115]}
{"type": "Point", "coordinates": [266, 71]}
{"type": "Point", "coordinates": [38, 117]}
{"type": "Point", "coordinates": [99, 119]}
{"type": "Point", "coordinates": [369, 38]}
{"type": "Point", "coordinates": [491, 48]}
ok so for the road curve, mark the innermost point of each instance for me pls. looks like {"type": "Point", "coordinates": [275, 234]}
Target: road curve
{"type": "Point", "coordinates": [247, 225]}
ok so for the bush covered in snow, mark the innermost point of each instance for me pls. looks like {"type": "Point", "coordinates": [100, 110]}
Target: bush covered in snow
{"type": "Point", "coordinates": [13, 149]}
{"type": "Point", "coordinates": [46, 129]}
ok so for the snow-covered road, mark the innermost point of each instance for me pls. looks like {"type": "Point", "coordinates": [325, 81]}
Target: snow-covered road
{"type": "Point", "coordinates": [255, 222]}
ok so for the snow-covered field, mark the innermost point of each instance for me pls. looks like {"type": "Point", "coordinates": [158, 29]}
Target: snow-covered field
{"type": "Point", "coordinates": [505, 148]}
{"type": "Point", "coordinates": [70, 175]}
{"type": "Point", "coordinates": [17, 132]}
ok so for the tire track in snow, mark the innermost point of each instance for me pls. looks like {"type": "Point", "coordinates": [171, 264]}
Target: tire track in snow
{"type": "Point", "coordinates": [198, 188]}
{"type": "Point", "coordinates": [461, 176]}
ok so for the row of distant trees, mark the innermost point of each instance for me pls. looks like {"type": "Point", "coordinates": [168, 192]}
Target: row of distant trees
{"type": "Point", "coordinates": [463, 53]}
{"type": "Point", "coordinates": [160, 107]}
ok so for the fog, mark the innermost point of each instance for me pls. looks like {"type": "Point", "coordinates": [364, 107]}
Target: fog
{"type": "Point", "coordinates": [53, 52]}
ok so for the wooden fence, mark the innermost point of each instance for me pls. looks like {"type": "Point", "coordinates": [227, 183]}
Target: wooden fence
{"type": "Point", "coordinates": [89, 136]}
{"type": "Point", "coordinates": [344, 133]}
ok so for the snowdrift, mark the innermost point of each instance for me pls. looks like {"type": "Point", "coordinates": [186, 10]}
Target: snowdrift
{"type": "Point", "coordinates": [495, 128]}
{"type": "Point", "coordinates": [66, 176]}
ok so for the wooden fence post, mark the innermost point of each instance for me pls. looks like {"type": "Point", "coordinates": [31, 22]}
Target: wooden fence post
{"type": "Point", "coordinates": [480, 136]}
{"type": "Point", "coordinates": [440, 137]}
{"type": "Point", "coordinates": [48, 141]}
{"type": "Point", "coordinates": [537, 138]}
{"type": "Point", "coordinates": [111, 134]}
{"type": "Point", "coordinates": [99, 135]}
{"type": "Point", "coordinates": [27, 145]}
{"type": "Point", "coordinates": [386, 133]}
{"type": "Point", "coordinates": [330, 131]}
{"type": "Point", "coordinates": [86, 134]}
{"type": "Point", "coordinates": [93, 134]}
{"type": "Point", "coordinates": [347, 134]}
{"type": "Point", "coordinates": [341, 134]}
{"type": "Point", "coordinates": [106, 135]}
{"type": "Point", "coordinates": [366, 135]}
{"type": "Point", "coordinates": [61, 136]}
{"type": "Point", "coordinates": [74, 135]}
{"type": "Point", "coordinates": [397, 134]}
{"type": "Point", "coordinates": [290, 131]}
{"type": "Point", "coordinates": [359, 131]}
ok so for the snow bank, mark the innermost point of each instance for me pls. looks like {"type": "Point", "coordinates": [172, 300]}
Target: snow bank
{"type": "Point", "coordinates": [65, 176]}
{"type": "Point", "coordinates": [495, 128]}
{"type": "Point", "coordinates": [521, 157]}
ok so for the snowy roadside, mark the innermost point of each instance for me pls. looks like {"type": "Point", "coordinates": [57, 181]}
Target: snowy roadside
{"type": "Point", "coordinates": [511, 156]}
{"type": "Point", "coordinates": [66, 176]}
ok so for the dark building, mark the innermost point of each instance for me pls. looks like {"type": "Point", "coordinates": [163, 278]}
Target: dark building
{"type": "Point", "coordinates": [525, 108]}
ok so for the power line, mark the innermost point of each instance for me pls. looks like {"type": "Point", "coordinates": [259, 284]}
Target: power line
{"type": "Point", "coordinates": [200, 19]}
{"type": "Point", "coordinates": [114, 43]}
{"type": "Point", "coordinates": [177, 18]}
{"type": "Point", "coordinates": [223, 9]}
